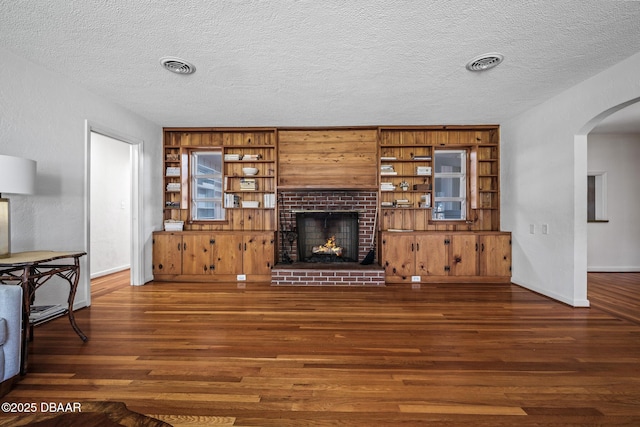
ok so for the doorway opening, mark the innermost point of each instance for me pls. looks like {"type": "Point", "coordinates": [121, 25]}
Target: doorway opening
{"type": "Point", "coordinates": [110, 215]}
{"type": "Point", "coordinates": [113, 204]}
{"type": "Point", "coordinates": [606, 147]}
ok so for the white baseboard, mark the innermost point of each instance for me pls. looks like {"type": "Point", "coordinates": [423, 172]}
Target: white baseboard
{"type": "Point", "coordinates": [110, 271]}
{"type": "Point", "coordinates": [615, 269]}
{"type": "Point", "coordinates": [561, 298]}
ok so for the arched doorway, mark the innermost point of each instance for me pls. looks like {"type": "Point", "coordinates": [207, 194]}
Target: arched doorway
{"type": "Point", "coordinates": [621, 119]}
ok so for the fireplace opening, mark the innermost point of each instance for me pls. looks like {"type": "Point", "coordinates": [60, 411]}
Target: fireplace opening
{"type": "Point", "coordinates": [327, 236]}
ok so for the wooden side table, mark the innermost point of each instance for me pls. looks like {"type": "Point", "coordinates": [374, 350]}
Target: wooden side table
{"type": "Point", "coordinates": [32, 270]}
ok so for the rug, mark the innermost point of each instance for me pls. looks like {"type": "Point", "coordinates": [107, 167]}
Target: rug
{"type": "Point", "coordinates": [93, 414]}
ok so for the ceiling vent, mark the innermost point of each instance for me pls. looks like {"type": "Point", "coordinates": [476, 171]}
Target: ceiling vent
{"type": "Point", "coordinates": [484, 62]}
{"type": "Point", "coordinates": [177, 65]}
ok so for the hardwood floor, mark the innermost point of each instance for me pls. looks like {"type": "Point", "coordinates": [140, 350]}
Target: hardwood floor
{"type": "Point", "coordinates": [616, 293]}
{"type": "Point", "coordinates": [442, 355]}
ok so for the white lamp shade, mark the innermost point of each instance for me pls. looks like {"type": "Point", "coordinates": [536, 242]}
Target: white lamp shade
{"type": "Point", "coordinates": [17, 175]}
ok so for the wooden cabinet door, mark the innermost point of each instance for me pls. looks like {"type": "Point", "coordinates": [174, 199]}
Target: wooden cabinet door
{"type": "Point", "coordinates": [463, 255]}
{"type": "Point", "coordinates": [226, 253]}
{"type": "Point", "coordinates": [495, 255]}
{"type": "Point", "coordinates": [433, 255]}
{"type": "Point", "coordinates": [167, 254]}
{"type": "Point", "coordinates": [259, 255]}
{"type": "Point", "coordinates": [421, 253]}
{"type": "Point", "coordinates": [196, 255]}
{"type": "Point", "coordinates": [398, 253]}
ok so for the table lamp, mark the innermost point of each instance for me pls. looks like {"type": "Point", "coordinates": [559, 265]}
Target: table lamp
{"type": "Point", "coordinates": [17, 176]}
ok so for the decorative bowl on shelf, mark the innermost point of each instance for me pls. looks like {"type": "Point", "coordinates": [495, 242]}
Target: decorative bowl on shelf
{"type": "Point", "coordinates": [249, 171]}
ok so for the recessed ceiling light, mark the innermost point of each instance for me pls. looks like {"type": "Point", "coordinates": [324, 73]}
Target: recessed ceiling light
{"type": "Point", "coordinates": [484, 62]}
{"type": "Point", "coordinates": [177, 65]}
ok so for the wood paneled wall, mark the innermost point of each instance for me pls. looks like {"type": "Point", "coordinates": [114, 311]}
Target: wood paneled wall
{"type": "Point", "coordinates": [328, 159]}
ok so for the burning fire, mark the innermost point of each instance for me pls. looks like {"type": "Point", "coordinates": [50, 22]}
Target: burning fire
{"type": "Point", "coordinates": [329, 247]}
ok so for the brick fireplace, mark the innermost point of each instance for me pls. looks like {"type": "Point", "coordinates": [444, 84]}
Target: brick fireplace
{"type": "Point", "coordinates": [291, 270]}
{"type": "Point", "coordinates": [363, 202]}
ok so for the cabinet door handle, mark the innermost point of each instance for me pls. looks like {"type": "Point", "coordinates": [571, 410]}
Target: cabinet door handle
{"type": "Point", "coordinates": [417, 247]}
{"type": "Point", "coordinates": [160, 266]}
{"type": "Point", "coordinates": [184, 246]}
{"type": "Point", "coordinates": [412, 247]}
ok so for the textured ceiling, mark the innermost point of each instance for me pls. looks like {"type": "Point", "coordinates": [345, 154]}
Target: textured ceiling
{"type": "Point", "coordinates": [323, 63]}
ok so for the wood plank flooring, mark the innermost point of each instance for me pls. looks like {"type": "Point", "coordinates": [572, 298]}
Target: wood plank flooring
{"type": "Point", "coordinates": [442, 355]}
{"type": "Point", "coordinates": [616, 293]}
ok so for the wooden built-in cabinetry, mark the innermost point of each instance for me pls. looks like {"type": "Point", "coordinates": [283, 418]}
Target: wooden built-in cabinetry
{"type": "Point", "coordinates": [254, 147]}
{"type": "Point", "coordinates": [446, 257]}
{"type": "Point", "coordinates": [406, 155]}
{"type": "Point", "coordinates": [241, 246]}
{"type": "Point", "coordinates": [485, 178]}
{"type": "Point", "coordinates": [414, 246]}
{"type": "Point", "coordinates": [213, 256]}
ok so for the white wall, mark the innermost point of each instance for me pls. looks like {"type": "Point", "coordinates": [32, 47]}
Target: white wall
{"type": "Point", "coordinates": [43, 117]}
{"type": "Point", "coordinates": [110, 246]}
{"type": "Point", "coordinates": [615, 245]}
{"type": "Point", "coordinates": [543, 181]}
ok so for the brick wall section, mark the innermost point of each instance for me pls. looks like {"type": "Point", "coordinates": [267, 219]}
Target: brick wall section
{"type": "Point", "coordinates": [364, 202]}
{"type": "Point", "coordinates": [281, 276]}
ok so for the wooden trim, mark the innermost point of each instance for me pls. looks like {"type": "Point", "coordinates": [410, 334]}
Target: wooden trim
{"type": "Point", "coordinates": [220, 129]}
{"type": "Point", "coordinates": [7, 385]}
{"type": "Point", "coordinates": [439, 127]}
{"type": "Point", "coordinates": [450, 279]}
{"type": "Point", "coordinates": [322, 128]}
{"type": "Point", "coordinates": [212, 278]}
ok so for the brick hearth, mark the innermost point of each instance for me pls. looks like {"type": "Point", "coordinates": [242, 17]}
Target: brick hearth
{"type": "Point", "coordinates": [336, 274]}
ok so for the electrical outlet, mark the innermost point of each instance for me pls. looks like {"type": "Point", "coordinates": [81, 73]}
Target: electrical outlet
{"type": "Point", "coordinates": [415, 278]}
{"type": "Point", "coordinates": [532, 229]}
{"type": "Point", "coordinates": [240, 277]}
{"type": "Point", "coordinates": [545, 228]}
